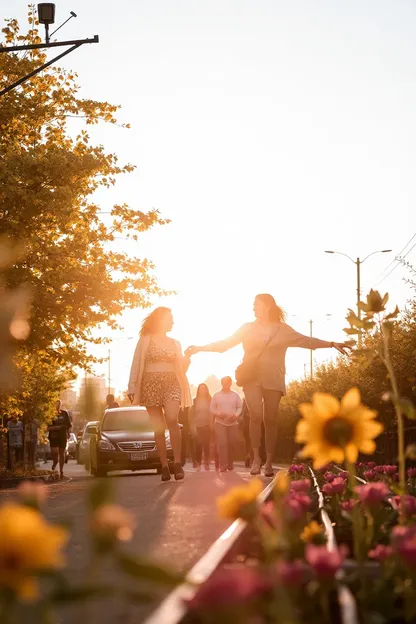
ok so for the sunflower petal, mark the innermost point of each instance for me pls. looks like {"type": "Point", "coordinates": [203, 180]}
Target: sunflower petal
{"type": "Point", "coordinates": [325, 405]}
{"type": "Point", "coordinates": [367, 447]}
{"type": "Point", "coordinates": [351, 453]}
{"type": "Point", "coordinates": [351, 399]}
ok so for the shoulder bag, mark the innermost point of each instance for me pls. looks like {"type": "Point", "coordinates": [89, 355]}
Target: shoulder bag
{"type": "Point", "coordinates": [246, 371]}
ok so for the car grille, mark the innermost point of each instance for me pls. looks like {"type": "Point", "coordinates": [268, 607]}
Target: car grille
{"type": "Point", "coordinates": [137, 446]}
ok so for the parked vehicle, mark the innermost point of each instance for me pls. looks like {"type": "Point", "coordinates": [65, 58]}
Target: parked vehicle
{"type": "Point", "coordinates": [124, 440]}
{"type": "Point", "coordinates": [72, 445]}
{"type": "Point", "coordinates": [84, 445]}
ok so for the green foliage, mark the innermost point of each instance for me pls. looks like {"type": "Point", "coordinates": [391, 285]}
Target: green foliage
{"type": "Point", "coordinates": [367, 372]}
{"type": "Point", "coordinates": [49, 174]}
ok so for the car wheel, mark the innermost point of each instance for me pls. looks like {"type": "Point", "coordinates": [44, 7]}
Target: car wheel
{"type": "Point", "coordinates": [98, 471]}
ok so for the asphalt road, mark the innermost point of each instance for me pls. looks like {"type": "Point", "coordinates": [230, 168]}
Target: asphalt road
{"type": "Point", "coordinates": [176, 524]}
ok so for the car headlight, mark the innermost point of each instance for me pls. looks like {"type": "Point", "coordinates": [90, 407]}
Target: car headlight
{"type": "Point", "coordinates": [105, 445]}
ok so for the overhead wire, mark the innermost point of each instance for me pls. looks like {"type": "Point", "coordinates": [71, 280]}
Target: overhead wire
{"type": "Point", "coordinates": [398, 262]}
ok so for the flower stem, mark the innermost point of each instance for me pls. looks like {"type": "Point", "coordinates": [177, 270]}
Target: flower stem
{"type": "Point", "coordinates": [386, 359]}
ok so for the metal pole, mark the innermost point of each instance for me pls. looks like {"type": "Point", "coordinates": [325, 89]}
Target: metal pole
{"type": "Point", "coordinates": [109, 371]}
{"type": "Point", "coordinates": [36, 71]}
{"type": "Point", "coordinates": [311, 352]}
{"type": "Point", "coordinates": [358, 263]}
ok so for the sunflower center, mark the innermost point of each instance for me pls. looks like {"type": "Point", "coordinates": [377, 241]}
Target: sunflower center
{"type": "Point", "coordinates": [338, 431]}
{"type": "Point", "coordinates": [11, 561]}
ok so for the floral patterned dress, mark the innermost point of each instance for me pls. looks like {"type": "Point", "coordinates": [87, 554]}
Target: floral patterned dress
{"type": "Point", "coordinates": [160, 388]}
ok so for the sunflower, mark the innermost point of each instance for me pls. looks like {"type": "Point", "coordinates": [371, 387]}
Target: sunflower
{"type": "Point", "coordinates": [240, 502]}
{"type": "Point", "coordinates": [334, 431]}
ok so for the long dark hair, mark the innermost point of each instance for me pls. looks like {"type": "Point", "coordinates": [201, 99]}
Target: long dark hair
{"type": "Point", "coordinates": [276, 313]}
{"type": "Point", "coordinates": [198, 392]}
{"type": "Point", "coordinates": [152, 321]}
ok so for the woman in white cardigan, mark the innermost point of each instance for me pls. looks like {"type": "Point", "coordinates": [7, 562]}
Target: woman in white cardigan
{"type": "Point", "coordinates": [158, 381]}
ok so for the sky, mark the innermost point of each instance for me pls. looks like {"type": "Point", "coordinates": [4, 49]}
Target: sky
{"type": "Point", "coordinates": [268, 131]}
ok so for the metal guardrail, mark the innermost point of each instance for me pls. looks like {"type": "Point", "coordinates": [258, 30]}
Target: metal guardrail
{"type": "Point", "coordinates": [173, 608]}
{"type": "Point", "coordinates": [346, 600]}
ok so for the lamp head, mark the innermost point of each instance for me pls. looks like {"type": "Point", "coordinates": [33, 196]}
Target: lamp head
{"type": "Point", "coordinates": [46, 13]}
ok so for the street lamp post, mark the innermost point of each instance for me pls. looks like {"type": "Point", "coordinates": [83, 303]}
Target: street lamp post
{"type": "Point", "coordinates": [311, 321]}
{"type": "Point", "coordinates": [358, 264]}
{"type": "Point", "coordinates": [46, 15]}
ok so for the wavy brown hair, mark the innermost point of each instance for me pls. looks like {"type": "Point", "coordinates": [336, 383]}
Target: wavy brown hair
{"type": "Point", "coordinates": [198, 392]}
{"type": "Point", "coordinates": [276, 313]}
{"type": "Point", "coordinates": [152, 321]}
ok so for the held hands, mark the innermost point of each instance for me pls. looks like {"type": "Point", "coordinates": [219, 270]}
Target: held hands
{"type": "Point", "coordinates": [191, 351]}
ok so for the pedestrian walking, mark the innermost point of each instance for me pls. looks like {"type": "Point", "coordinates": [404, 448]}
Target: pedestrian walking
{"type": "Point", "coordinates": [262, 372]}
{"type": "Point", "coordinates": [158, 381]}
{"type": "Point", "coordinates": [110, 402]}
{"type": "Point", "coordinates": [15, 441]}
{"type": "Point", "coordinates": [59, 430]}
{"type": "Point", "coordinates": [226, 407]}
{"type": "Point", "coordinates": [31, 438]}
{"type": "Point", "coordinates": [244, 424]}
{"type": "Point", "coordinates": [202, 424]}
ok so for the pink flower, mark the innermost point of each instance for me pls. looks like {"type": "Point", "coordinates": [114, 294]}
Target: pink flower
{"type": "Point", "coordinates": [296, 505]}
{"type": "Point", "coordinates": [390, 470]}
{"type": "Point", "coordinates": [379, 469]}
{"type": "Point", "coordinates": [407, 550]}
{"type": "Point", "coordinates": [268, 513]}
{"type": "Point", "coordinates": [406, 505]}
{"type": "Point", "coordinates": [348, 505]}
{"type": "Point", "coordinates": [371, 465]}
{"type": "Point", "coordinates": [329, 476]}
{"type": "Point", "coordinates": [292, 574]}
{"type": "Point", "coordinates": [411, 473]}
{"type": "Point", "coordinates": [380, 553]}
{"type": "Point", "coordinates": [324, 563]}
{"type": "Point", "coordinates": [304, 485]}
{"type": "Point", "coordinates": [304, 500]}
{"type": "Point", "coordinates": [396, 477]}
{"type": "Point", "coordinates": [336, 487]}
{"type": "Point", "coordinates": [227, 588]}
{"type": "Point", "coordinates": [370, 475]}
{"type": "Point", "coordinates": [295, 468]}
{"type": "Point", "coordinates": [343, 474]}
{"type": "Point", "coordinates": [372, 494]}
{"type": "Point", "coordinates": [402, 533]}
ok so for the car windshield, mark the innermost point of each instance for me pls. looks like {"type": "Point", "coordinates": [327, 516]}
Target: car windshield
{"type": "Point", "coordinates": [126, 420]}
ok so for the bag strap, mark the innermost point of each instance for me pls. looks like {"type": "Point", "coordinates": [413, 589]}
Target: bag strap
{"type": "Point", "coordinates": [268, 341]}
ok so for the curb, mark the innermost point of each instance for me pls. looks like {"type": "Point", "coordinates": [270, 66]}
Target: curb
{"type": "Point", "coordinates": [8, 484]}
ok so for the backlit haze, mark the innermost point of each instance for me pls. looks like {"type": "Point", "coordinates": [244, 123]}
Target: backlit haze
{"type": "Point", "coordinates": [267, 131]}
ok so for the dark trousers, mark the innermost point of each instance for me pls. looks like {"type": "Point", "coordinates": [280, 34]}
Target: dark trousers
{"type": "Point", "coordinates": [188, 445]}
{"type": "Point", "coordinates": [203, 444]}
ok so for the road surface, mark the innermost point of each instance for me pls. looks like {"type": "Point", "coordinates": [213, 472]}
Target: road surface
{"type": "Point", "coordinates": [176, 524]}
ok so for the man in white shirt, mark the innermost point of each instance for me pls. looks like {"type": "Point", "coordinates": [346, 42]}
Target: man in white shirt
{"type": "Point", "coordinates": [226, 406]}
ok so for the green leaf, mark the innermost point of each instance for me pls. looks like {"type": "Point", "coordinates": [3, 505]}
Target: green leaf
{"type": "Point", "coordinates": [81, 593]}
{"type": "Point", "coordinates": [408, 408]}
{"type": "Point", "coordinates": [139, 597]}
{"type": "Point", "coordinates": [145, 570]}
{"type": "Point", "coordinates": [393, 314]}
{"type": "Point", "coordinates": [352, 331]}
{"type": "Point", "coordinates": [411, 451]}
{"type": "Point", "coordinates": [101, 493]}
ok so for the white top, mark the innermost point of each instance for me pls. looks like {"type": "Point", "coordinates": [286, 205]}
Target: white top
{"type": "Point", "coordinates": [226, 407]}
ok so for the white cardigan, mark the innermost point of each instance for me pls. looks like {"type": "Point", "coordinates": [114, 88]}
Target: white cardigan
{"type": "Point", "coordinates": [137, 370]}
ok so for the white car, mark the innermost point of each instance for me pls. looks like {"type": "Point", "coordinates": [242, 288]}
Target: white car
{"type": "Point", "coordinates": [84, 445]}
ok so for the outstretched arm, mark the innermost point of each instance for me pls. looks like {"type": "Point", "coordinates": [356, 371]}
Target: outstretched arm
{"type": "Point", "coordinates": [295, 339]}
{"type": "Point", "coordinates": [221, 345]}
